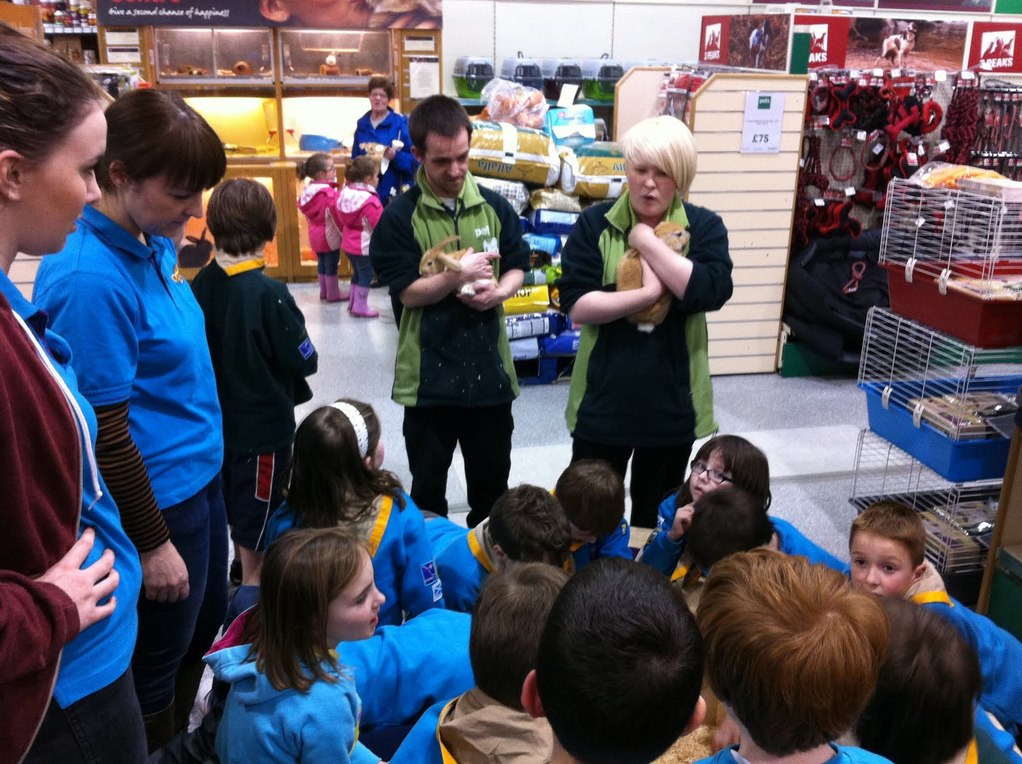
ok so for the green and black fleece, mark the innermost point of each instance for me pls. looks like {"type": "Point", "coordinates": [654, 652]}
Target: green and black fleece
{"type": "Point", "coordinates": [632, 388]}
{"type": "Point", "coordinates": [449, 354]}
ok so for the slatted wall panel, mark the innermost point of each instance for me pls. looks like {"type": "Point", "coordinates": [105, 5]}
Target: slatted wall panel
{"type": "Point", "coordinates": [753, 193]}
{"type": "Point", "coordinates": [755, 196]}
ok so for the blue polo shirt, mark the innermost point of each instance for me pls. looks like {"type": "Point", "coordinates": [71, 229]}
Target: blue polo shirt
{"type": "Point", "coordinates": [101, 653]}
{"type": "Point", "coordinates": [138, 335]}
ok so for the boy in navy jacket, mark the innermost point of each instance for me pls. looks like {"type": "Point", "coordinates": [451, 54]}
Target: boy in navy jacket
{"type": "Point", "coordinates": [261, 356]}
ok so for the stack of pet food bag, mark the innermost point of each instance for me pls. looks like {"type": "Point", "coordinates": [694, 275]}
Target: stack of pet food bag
{"type": "Point", "coordinates": [548, 165]}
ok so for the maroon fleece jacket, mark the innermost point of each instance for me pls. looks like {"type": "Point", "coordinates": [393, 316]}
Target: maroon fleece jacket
{"type": "Point", "coordinates": [40, 501]}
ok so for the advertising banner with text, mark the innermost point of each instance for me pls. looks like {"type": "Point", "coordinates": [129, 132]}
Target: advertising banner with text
{"type": "Point", "coordinates": [313, 14]}
{"type": "Point", "coordinates": [992, 47]}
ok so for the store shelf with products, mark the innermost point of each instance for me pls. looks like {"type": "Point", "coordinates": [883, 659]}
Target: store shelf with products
{"type": "Point", "coordinates": [942, 379]}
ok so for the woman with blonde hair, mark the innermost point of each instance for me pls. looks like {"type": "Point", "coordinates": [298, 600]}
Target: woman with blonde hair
{"type": "Point", "coordinates": [638, 395]}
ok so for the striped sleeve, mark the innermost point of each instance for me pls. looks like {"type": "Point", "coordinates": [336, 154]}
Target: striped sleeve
{"type": "Point", "coordinates": [125, 475]}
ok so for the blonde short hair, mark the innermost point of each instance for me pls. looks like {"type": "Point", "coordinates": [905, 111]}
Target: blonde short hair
{"type": "Point", "coordinates": [666, 143]}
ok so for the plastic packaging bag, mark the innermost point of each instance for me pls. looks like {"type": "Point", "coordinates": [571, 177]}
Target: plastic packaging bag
{"type": "Point", "coordinates": [508, 101]}
{"type": "Point", "coordinates": [946, 175]}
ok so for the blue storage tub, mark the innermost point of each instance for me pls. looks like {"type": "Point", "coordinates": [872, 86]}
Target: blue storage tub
{"type": "Point", "coordinates": [542, 242]}
{"type": "Point", "coordinates": [311, 142]}
{"type": "Point", "coordinates": [564, 344]}
{"type": "Point", "coordinates": [959, 461]}
{"type": "Point", "coordinates": [552, 221]}
{"type": "Point", "coordinates": [543, 370]}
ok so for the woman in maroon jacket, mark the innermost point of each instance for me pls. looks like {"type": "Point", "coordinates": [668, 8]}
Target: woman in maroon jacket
{"type": "Point", "coordinates": [69, 576]}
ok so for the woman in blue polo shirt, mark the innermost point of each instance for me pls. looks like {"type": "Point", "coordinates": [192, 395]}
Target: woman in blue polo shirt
{"type": "Point", "coordinates": [139, 350]}
{"type": "Point", "coordinates": [65, 643]}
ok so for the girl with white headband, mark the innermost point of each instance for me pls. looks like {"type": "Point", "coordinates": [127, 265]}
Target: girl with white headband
{"type": "Point", "coordinates": [336, 478]}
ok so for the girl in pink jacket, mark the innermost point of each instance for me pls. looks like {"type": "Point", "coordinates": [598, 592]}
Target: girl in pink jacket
{"type": "Point", "coordinates": [319, 195]}
{"type": "Point", "coordinates": [356, 212]}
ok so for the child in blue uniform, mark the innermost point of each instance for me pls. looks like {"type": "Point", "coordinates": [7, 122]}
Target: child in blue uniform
{"type": "Point", "coordinates": [400, 672]}
{"type": "Point", "coordinates": [722, 460]}
{"type": "Point", "coordinates": [731, 520]}
{"type": "Point", "coordinates": [488, 722]}
{"type": "Point", "coordinates": [527, 524]}
{"type": "Point", "coordinates": [887, 542]}
{"type": "Point", "coordinates": [261, 355]}
{"type": "Point", "coordinates": [619, 666]}
{"type": "Point", "coordinates": [593, 497]}
{"type": "Point", "coordinates": [290, 698]}
{"type": "Point", "coordinates": [337, 477]}
{"type": "Point", "coordinates": [793, 652]}
{"type": "Point", "coordinates": [924, 707]}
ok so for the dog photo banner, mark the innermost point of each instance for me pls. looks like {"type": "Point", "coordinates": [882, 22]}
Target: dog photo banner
{"type": "Point", "coordinates": [906, 44]}
{"type": "Point", "coordinates": [757, 41]}
{"type": "Point", "coordinates": [956, 6]}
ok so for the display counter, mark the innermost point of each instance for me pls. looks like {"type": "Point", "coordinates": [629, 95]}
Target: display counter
{"type": "Point", "coordinates": [288, 256]}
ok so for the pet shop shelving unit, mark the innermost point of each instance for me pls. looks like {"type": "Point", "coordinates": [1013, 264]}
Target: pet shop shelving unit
{"type": "Point", "coordinates": [942, 371]}
{"type": "Point", "coordinates": [753, 193]}
{"type": "Point", "coordinates": [959, 517]}
{"type": "Point", "coordinates": [938, 397]}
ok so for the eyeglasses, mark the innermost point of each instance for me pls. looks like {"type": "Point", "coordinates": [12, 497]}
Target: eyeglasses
{"type": "Point", "coordinates": [718, 477]}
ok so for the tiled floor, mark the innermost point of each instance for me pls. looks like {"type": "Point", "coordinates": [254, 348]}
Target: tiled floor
{"type": "Point", "coordinates": [807, 427]}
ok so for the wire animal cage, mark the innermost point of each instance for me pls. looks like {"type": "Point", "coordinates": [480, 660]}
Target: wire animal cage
{"type": "Point", "coordinates": [937, 397]}
{"type": "Point", "coordinates": [959, 517]}
{"type": "Point", "coordinates": [954, 257]}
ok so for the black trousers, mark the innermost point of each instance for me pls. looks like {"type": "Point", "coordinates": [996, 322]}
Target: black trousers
{"type": "Point", "coordinates": [656, 472]}
{"type": "Point", "coordinates": [484, 433]}
{"type": "Point", "coordinates": [105, 726]}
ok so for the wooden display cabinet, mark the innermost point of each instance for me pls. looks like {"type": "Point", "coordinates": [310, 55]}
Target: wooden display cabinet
{"type": "Point", "coordinates": [129, 46]}
{"type": "Point", "coordinates": [275, 96]}
{"type": "Point", "coordinates": [25, 18]}
{"type": "Point", "coordinates": [281, 253]}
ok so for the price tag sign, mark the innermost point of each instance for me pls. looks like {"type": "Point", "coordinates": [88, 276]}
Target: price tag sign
{"type": "Point", "coordinates": [761, 128]}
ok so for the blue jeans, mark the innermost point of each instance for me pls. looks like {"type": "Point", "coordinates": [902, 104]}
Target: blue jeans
{"type": "Point", "coordinates": [363, 270]}
{"type": "Point", "coordinates": [327, 262]}
{"type": "Point", "coordinates": [169, 632]}
{"type": "Point", "coordinates": [105, 726]}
